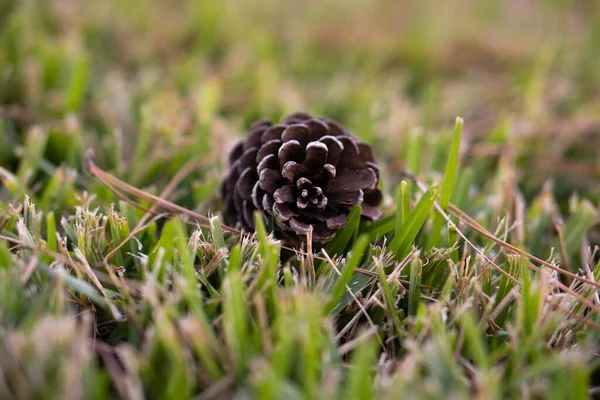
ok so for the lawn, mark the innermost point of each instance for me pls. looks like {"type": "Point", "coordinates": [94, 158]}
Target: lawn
{"type": "Point", "coordinates": [119, 277]}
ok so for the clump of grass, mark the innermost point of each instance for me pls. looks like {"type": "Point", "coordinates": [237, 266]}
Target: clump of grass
{"type": "Point", "coordinates": [480, 280]}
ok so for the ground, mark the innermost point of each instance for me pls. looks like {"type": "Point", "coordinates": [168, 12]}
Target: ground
{"type": "Point", "coordinates": [480, 280]}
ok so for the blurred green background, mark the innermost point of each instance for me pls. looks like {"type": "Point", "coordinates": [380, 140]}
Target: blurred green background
{"type": "Point", "coordinates": [146, 82]}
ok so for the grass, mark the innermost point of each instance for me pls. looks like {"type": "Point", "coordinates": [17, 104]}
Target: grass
{"type": "Point", "coordinates": [480, 280]}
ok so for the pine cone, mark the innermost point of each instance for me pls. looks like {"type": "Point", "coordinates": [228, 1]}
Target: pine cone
{"type": "Point", "coordinates": [305, 171]}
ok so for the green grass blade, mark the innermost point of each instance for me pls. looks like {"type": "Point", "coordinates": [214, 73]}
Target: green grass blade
{"type": "Point", "coordinates": [234, 320]}
{"type": "Point", "coordinates": [352, 262]}
{"type": "Point", "coordinates": [390, 304]}
{"type": "Point", "coordinates": [51, 243]}
{"type": "Point", "coordinates": [474, 341]}
{"type": "Point", "coordinates": [402, 207]}
{"type": "Point", "coordinates": [360, 384]}
{"type": "Point", "coordinates": [413, 153]}
{"type": "Point", "coordinates": [452, 164]}
{"type": "Point", "coordinates": [575, 230]}
{"type": "Point", "coordinates": [270, 253]}
{"type": "Point", "coordinates": [344, 237]}
{"type": "Point", "coordinates": [400, 245]}
{"type": "Point", "coordinates": [33, 152]}
{"type": "Point", "coordinates": [436, 236]}
{"type": "Point", "coordinates": [414, 288]}
{"type": "Point", "coordinates": [382, 227]}
{"type": "Point", "coordinates": [78, 83]}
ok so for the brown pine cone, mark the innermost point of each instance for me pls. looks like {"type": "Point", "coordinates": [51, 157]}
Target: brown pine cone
{"type": "Point", "coordinates": [305, 171]}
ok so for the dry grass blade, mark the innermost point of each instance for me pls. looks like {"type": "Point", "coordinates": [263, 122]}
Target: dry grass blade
{"type": "Point", "coordinates": [171, 186]}
{"type": "Point", "coordinates": [116, 185]}
{"type": "Point", "coordinates": [515, 250]}
{"type": "Point", "coordinates": [477, 227]}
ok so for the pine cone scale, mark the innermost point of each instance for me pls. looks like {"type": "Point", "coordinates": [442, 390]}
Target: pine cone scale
{"type": "Point", "coordinates": [268, 162]}
{"type": "Point", "coordinates": [284, 194]}
{"type": "Point", "coordinates": [363, 179]}
{"type": "Point", "coordinates": [291, 169]}
{"type": "Point", "coordinates": [245, 184]}
{"type": "Point", "coordinates": [283, 211]}
{"type": "Point", "coordinates": [270, 180]}
{"type": "Point", "coordinates": [316, 157]}
{"type": "Point", "coordinates": [337, 222]}
{"type": "Point", "coordinates": [326, 176]}
{"type": "Point", "coordinates": [273, 133]}
{"type": "Point", "coordinates": [347, 197]}
{"type": "Point", "coordinates": [298, 132]}
{"type": "Point", "coordinates": [236, 153]}
{"type": "Point", "coordinates": [248, 158]}
{"type": "Point", "coordinates": [334, 148]}
{"type": "Point", "coordinates": [291, 151]}
{"type": "Point", "coordinates": [306, 173]}
{"type": "Point", "coordinates": [271, 147]}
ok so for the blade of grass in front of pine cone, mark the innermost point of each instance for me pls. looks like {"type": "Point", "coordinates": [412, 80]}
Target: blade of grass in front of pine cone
{"type": "Point", "coordinates": [435, 236]}
{"type": "Point", "coordinates": [352, 262]}
{"type": "Point", "coordinates": [270, 252]}
{"type": "Point", "coordinates": [390, 304]}
{"type": "Point", "coordinates": [342, 238]}
{"type": "Point", "coordinates": [261, 232]}
{"type": "Point", "coordinates": [381, 227]}
{"type": "Point", "coordinates": [358, 282]}
{"type": "Point", "coordinates": [400, 245]}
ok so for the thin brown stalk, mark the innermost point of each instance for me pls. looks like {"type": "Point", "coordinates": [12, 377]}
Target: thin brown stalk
{"type": "Point", "coordinates": [477, 227]}
{"type": "Point", "coordinates": [118, 186]}
{"type": "Point", "coordinates": [515, 250]}
{"type": "Point", "coordinates": [179, 176]}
